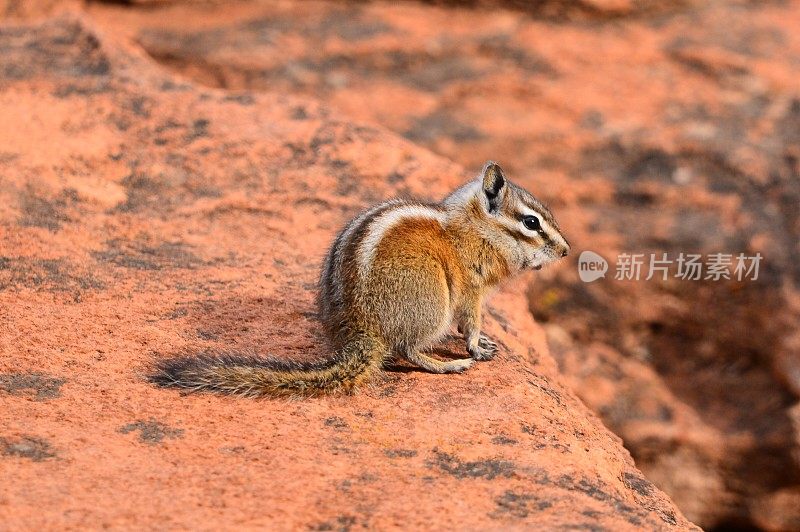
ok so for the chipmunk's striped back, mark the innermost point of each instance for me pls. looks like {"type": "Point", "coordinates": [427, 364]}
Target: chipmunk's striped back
{"type": "Point", "coordinates": [393, 281]}
{"type": "Point", "coordinates": [349, 261]}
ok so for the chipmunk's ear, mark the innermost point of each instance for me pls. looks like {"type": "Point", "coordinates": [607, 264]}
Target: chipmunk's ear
{"type": "Point", "coordinates": [494, 184]}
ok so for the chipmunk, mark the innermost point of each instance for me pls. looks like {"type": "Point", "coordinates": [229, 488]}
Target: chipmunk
{"type": "Point", "coordinates": [394, 280]}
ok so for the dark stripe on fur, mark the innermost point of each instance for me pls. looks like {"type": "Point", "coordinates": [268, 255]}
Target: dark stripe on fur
{"type": "Point", "coordinates": [519, 235]}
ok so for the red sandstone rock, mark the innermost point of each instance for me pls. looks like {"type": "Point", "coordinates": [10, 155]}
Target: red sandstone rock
{"type": "Point", "coordinates": [674, 131]}
{"type": "Point", "coordinates": [779, 510]}
{"type": "Point", "coordinates": [31, 9]}
{"type": "Point", "coordinates": [142, 216]}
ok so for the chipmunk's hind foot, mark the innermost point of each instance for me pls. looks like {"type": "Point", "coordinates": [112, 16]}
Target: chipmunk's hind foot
{"type": "Point", "coordinates": [439, 366]}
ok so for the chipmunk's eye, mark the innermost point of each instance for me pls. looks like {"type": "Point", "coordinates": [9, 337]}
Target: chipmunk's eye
{"type": "Point", "coordinates": [532, 223]}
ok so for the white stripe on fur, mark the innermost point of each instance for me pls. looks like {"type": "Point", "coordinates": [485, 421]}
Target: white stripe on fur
{"type": "Point", "coordinates": [385, 221]}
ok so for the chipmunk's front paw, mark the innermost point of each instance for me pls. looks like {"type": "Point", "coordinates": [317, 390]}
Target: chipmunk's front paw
{"type": "Point", "coordinates": [485, 350]}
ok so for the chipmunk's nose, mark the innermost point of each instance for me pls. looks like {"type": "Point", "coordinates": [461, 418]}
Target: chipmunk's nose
{"type": "Point", "coordinates": [565, 250]}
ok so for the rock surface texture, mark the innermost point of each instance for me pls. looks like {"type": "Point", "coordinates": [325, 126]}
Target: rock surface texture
{"type": "Point", "coordinates": [143, 216]}
{"type": "Point", "coordinates": [649, 127]}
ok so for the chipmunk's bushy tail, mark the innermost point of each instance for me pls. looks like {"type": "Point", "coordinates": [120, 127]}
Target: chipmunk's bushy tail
{"type": "Point", "coordinates": [257, 376]}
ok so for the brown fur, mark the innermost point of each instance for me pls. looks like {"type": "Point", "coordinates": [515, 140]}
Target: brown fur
{"type": "Point", "coordinates": [393, 281]}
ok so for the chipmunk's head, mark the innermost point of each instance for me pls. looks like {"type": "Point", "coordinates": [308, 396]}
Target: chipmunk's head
{"type": "Point", "coordinates": [512, 220]}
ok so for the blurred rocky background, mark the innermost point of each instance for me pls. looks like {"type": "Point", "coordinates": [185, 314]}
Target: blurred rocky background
{"type": "Point", "coordinates": [648, 126]}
